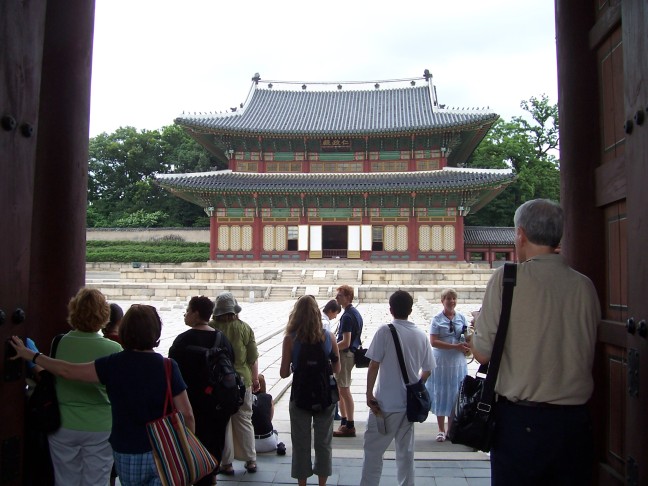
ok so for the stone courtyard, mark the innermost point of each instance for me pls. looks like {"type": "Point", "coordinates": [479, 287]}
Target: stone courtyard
{"type": "Point", "coordinates": [442, 464]}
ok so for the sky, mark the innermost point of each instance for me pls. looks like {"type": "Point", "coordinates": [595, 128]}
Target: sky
{"type": "Point", "coordinates": [155, 59]}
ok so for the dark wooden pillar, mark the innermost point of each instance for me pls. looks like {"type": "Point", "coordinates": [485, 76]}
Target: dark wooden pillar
{"type": "Point", "coordinates": [579, 138]}
{"type": "Point", "coordinates": [45, 99]}
{"type": "Point", "coordinates": [60, 183]}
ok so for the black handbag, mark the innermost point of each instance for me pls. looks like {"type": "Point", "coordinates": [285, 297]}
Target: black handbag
{"type": "Point", "coordinates": [418, 398]}
{"type": "Point", "coordinates": [42, 405]}
{"type": "Point", "coordinates": [471, 422]}
{"type": "Point", "coordinates": [360, 358]}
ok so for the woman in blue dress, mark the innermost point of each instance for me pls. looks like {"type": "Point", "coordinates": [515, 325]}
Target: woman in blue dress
{"type": "Point", "coordinates": [449, 353]}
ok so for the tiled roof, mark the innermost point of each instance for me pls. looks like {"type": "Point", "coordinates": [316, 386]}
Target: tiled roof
{"type": "Point", "coordinates": [226, 181]}
{"type": "Point", "coordinates": [489, 235]}
{"type": "Point", "coordinates": [343, 112]}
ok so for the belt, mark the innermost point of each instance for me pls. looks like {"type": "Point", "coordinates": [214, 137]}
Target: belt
{"type": "Point", "coordinates": [529, 403]}
{"type": "Point", "coordinates": [264, 436]}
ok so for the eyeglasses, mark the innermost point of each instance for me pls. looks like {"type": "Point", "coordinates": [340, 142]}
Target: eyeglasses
{"type": "Point", "coordinates": [451, 327]}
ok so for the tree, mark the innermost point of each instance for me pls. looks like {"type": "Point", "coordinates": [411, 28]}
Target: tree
{"type": "Point", "coordinates": [121, 169]}
{"type": "Point", "coordinates": [527, 146]}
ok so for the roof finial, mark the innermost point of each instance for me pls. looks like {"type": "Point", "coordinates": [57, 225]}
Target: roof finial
{"type": "Point", "coordinates": [256, 78]}
{"type": "Point", "coordinates": [427, 75]}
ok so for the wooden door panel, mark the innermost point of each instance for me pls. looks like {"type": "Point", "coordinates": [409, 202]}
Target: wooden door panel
{"type": "Point", "coordinates": [616, 302]}
{"type": "Point", "coordinates": [21, 31]}
{"type": "Point", "coordinates": [616, 403]}
{"type": "Point", "coordinates": [610, 56]}
{"type": "Point", "coordinates": [634, 19]}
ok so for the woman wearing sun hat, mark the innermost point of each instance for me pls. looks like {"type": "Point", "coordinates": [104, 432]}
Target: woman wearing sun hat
{"type": "Point", "coordinates": [239, 438]}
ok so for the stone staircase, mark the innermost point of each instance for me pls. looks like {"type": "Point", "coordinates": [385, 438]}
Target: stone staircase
{"type": "Point", "coordinates": [372, 282]}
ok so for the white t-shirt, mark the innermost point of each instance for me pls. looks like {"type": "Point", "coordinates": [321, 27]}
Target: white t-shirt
{"type": "Point", "coordinates": [326, 322]}
{"type": "Point", "coordinates": [417, 354]}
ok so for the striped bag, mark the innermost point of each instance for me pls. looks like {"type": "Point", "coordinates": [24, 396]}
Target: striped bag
{"type": "Point", "coordinates": [181, 459]}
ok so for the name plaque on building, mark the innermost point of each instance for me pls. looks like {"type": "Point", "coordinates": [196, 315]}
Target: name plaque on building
{"type": "Point", "coordinates": [335, 144]}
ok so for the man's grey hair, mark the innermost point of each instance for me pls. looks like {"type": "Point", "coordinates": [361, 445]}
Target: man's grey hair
{"type": "Point", "coordinates": [541, 220]}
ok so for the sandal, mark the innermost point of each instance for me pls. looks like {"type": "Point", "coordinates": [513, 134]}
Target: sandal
{"type": "Point", "coordinates": [441, 437]}
{"type": "Point", "coordinates": [251, 466]}
{"type": "Point", "coordinates": [226, 469]}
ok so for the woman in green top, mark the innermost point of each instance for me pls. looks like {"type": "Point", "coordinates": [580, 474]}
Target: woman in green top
{"type": "Point", "coordinates": [80, 450]}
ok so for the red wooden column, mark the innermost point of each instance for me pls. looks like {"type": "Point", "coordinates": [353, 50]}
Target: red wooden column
{"type": "Point", "coordinates": [366, 220]}
{"type": "Point", "coordinates": [412, 232]}
{"type": "Point", "coordinates": [257, 230]}
{"type": "Point", "coordinates": [213, 236]}
{"type": "Point", "coordinates": [460, 250]}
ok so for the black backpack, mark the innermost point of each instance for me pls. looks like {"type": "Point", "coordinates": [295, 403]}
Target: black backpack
{"type": "Point", "coordinates": [313, 387]}
{"type": "Point", "coordinates": [224, 384]}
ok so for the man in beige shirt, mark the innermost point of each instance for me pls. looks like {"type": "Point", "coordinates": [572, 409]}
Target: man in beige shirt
{"type": "Point", "coordinates": [542, 426]}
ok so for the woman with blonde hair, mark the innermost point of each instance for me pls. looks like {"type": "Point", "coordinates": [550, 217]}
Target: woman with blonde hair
{"type": "Point", "coordinates": [80, 450]}
{"type": "Point", "coordinates": [304, 333]}
{"type": "Point", "coordinates": [450, 355]}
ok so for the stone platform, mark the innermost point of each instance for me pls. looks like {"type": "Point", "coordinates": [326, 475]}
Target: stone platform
{"type": "Point", "coordinates": [372, 283]}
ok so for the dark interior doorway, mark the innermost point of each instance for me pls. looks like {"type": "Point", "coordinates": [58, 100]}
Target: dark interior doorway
{"type": "Point", "coordinates": [334, 241]}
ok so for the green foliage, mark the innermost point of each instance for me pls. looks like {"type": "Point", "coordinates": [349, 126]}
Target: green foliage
{"type": "Point", "coordinates": [527, 147]}
{"type": "Point", "coordinates": [120, 183]}
{"type": "Point", "coordinates": [142, 219]}
{"type": "Point", "coordinates": [159, 251]}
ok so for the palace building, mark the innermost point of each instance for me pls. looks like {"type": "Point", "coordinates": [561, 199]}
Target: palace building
{"type": "Point", "coordinates": [340, 171]}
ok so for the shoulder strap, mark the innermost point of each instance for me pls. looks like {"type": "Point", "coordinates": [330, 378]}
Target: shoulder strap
{"type": "Point", "coordinates": [168, 401]}
{"type": "Point", "coordinates": [399, 352]}
{"type": "Point", "coordinates": [509, 281]}
{"type": "Point", "coordinates": [219, 339]}
{"type": "Point", "coordinates": [55, 343]}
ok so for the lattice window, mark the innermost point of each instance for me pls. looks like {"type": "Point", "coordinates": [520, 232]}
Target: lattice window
{"type": "Point", "coordinates": [336, 167]}
{"type": "Point", "coordinates": [246, 238]}
{"type": "Point", "coordinates": [389, 235]}
{"type": "Point", "coordinates": [281, 239]}
{"type": "Point", "coordinates": [390, 166]}
{"type": "Point", "coordinates": [436, 237]}
{"type": "Point", "coordinates": [427, 165]}
{"type": "Point", "coordinates": [401, 238]}
{"type": "Point", "coordinates": [283, 167]}
{"type": "Point", "coordinates": [424, 238]}
{"type": "Point", "coordinates": [235, 238]}
{"type": "Point", "coordinates": [223, 238]}
{"type": "Point", "coordinates": [268, 238]}
{"type": "Point", "coordinates": [449, 238]}
{"type": "Point", "coordinates": [247, 167]}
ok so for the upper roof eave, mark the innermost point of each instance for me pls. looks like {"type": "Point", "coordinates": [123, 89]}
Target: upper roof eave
{"type": "Point", "coordinates": [353, 113]}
